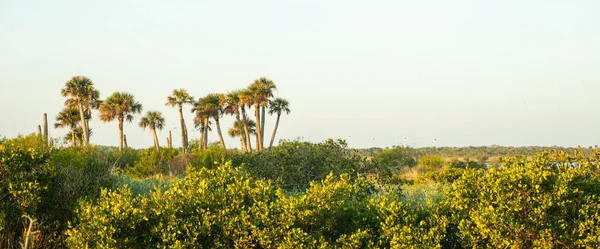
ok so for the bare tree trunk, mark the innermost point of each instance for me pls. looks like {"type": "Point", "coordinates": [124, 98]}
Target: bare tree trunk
{"type": "Point", "coordinates": [187, 141]}
{"type": "Point", "coordinates": [206, 134]}
{"type": "Point", "coordinates": [170, 141]}
{"type": "Point", "coordinates": [121, 136]}
{"type": "Point", "coordinates": [262, 128]}
{"type": "Point", "coordinates": [45, 129]}
{"type": "Point", "coordinates": [83, 123]}
{"type": "Point", "coordinates": [155, 137]}
{"type": "Point", "coordinates": [201, 139]}
{"type": "Point", "coordinates": [275, 129]}
{"type": "Point", "coordinates": [241, 128]}
{"type": "Point", "coordinates": [245, 132]}
{"type": "Point", "coordinates": [183, 134]}
{"type": "Point", "coordinates": [258, 130]}
{"type": "Point", "coordinates": [125, 141]}
{"type": "Point", "coordinates": [39, 130]}
{"type": "Point", "coordinates": [219, 132]}
{"type": "Point", "coordinates": [243, 148]}
{"type": "Point", "coordinates": [73, 138]}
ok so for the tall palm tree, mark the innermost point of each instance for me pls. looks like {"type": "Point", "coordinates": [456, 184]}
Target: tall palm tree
{"type": "Point", "coordinates": [120, 106]}
{"type": "Point", "coordinates": [278, 106]}
{"type": "Point", "coordinates": [212, 105]}
{"type": "Point", "coordinates": [246, 100]}
{"type": "Point", "coordinates": [238, 129]}
{"type": "Point", "coordinates": [202, 122]}
{"type": "Point", "coordinates": [153, 120]}
{"type": "Point", "coordinates": [68, 117]}
{"type": "Point", "coordinates": [178, 98]}
{"type": "Point", "coordinates": [80, 90]}
{"type": "Point", "coordinates": [92, 102]}
{"type": "Point", "coordinates": [232, 107]}
{"type": "Point", "coordinates": [260, 91]}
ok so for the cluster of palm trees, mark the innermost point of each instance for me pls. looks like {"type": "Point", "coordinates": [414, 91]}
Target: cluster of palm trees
{"type": "Point", "coordinates": [82, 98]}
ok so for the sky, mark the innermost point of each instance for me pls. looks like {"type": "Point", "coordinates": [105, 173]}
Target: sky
{"type": "Point", "coordinates": [376, 73]}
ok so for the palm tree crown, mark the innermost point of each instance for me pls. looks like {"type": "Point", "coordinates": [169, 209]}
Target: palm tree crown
{"type": "Point", "coordinates": [120, 106]}
{"type": "Point", "coordinates": [153, 120]}
{"type": "Point", "coordinates": [178, 98]}
{"type": "Point", "coordinates": [278, 106]}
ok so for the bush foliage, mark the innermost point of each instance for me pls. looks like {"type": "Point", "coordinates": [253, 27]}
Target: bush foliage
{"type": "Point", "coordinates": [296, 195]}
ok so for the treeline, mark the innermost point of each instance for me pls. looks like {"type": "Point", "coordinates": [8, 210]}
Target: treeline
{"type": "Point", "coordinates": [82, 98]}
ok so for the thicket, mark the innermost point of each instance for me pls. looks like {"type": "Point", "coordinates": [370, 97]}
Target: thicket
{"type": "Point", "coordinates": [298, 194]}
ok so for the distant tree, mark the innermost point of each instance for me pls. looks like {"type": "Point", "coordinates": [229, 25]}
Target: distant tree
{"type": "Point", "coordinates": [68, 117]}
{"type": "Point", "coordinates": [153, 120]}
{"type": "Point", "coordinates": [120, 106]}
{"type": "Point", "coordinates": [180, 97]}
{"type": "Point", "coordinates": [83, 95]}
{"type": "Point", "coordinates": [260, 91]}
{"type": "Point", "coordinates": [278, 106]}
{"type": "Point", "coordinates": [238, 130]}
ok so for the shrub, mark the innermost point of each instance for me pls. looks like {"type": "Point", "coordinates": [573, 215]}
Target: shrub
{"type": "Point", "coordinates": [432, 161]}
{"type": "Point", "coordinates": [293, 165]}
{"type": "Point", "coordinates": [397, 156]}
{"type": "Point", "coordinates": [548, 201]}
{"type": "Point", "coordinates": [224, 208]}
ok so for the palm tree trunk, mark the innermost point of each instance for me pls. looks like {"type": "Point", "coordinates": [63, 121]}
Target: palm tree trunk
{"type": "Point", "coordinates": [275, 129]}
{"type": "Point", "coordinates": [219, 132]}
{"type": "Point", "coordinates": [237, 117]}
{"type": "Point", "coordinates": [170, 141]}
{"type": "Point", "coordinates": [245, 132]}
{"type": "Point", "coordinates": [201, 140]}
{"type": "Point", "coordinates": [156, 146]}
{"type": "Point", "coordinates": [73, 138]}
{"type": "Point", "coordinates": [120, 133]}
{"type": "Point", "coordinates": [83, 124]}
{"type": "Point", "coordinates": [206, 134]}
{"type": "Point", "coordinates": [262, 127]}
{"type": "Point", "coordinates": [45, 129]}
{"type": "Point", "coordinates": [187, 141]}
{"type": "Point", "coordinates": [124, 141]}
{"type": "Point", "coordinates": [183, 134]}
{"type": "Point", "coordinates": [243, 148]}
{"type": "Point", "coordinates": [258, 130]}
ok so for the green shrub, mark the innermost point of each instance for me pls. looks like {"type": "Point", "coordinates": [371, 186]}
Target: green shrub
{"type": "Point", "coordinates": [548, 201]}
{"type": "Point", "coordinates": [397, 156]}
{"type": "Point", "coordinates": [293, 165]}
{"type": "Point", "coordinates": [432, 161]}
{"type": "Point", "coordinates": [149, 162]}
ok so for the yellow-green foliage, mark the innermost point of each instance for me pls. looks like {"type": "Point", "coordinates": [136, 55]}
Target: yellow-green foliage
{"type": "Point", "coordinates": [225, 208]}
{"type": "Point", "coordinates": [550, 201]}
{"type": "Point", "coordinates": [431, 161]}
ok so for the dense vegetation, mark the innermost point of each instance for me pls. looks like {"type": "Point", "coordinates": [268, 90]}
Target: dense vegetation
{"type": "Point", "coordinates": [295, 195]}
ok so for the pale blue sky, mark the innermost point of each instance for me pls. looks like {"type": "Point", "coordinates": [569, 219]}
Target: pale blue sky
{"type": "Point", "coordinates": [512, 72]}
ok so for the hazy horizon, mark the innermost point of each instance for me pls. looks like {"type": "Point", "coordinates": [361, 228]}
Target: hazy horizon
{"type": "Point", "coordinates": [512, 73]}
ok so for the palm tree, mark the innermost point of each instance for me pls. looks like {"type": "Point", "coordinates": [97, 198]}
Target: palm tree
{"type": "Point", "coordinates": [202, 122]}
{"type": "Point", "coordinates": [238, 129]}
{"type": "Point", "coordinates": [153, 120]}
{"type": "Point", "coordinates": [68, 117]}
{"type": "Point", "coordinates": [120, 106]}
{"type": "Point", "coordinates": [178, 98]}
{"type": "Point", "coordinates": [260, 91]}
{"type": "Point", "coordinates": [232, 107]}
{"type": "Point", "coordinates": [80, 91]}
{"type": "Point", "coordinates": [278, 106]}
{"type": "Point", "coordinates": [212, 106]}
{"type": "Point", "coordinates": [76, 136]}
{"type": "Point", "coordinates": [246, 100]}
